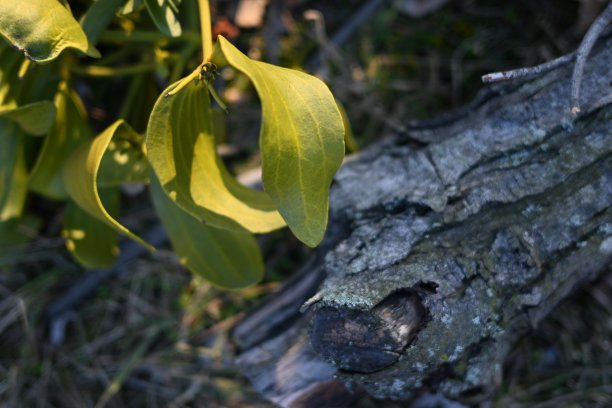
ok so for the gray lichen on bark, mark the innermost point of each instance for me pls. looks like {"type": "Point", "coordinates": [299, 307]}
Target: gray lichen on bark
{"type": "Point", "coordinates": [497, 218]}
{"type": "Point", "coordinates": [468, 242]}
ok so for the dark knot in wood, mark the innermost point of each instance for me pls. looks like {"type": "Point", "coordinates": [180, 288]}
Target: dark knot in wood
{"type": "Point", "coordinates": [368, 341]}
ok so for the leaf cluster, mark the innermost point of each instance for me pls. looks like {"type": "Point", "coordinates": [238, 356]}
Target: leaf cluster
{"type": "Point", "coordinates": [47, 145]}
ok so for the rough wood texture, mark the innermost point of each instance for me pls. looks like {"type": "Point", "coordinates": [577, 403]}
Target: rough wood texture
{"type": "Point", "coordinates": [438, 259]}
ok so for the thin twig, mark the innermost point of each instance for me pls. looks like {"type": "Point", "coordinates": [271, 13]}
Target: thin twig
{"type": "Point", "coordinates": [581, 55]}
{"type": "Point", "coordinates": [528, 72]}
{"type": "Point", "coordinates": [584, 50]}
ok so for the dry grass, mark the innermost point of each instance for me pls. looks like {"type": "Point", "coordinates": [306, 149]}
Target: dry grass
{"type": "Point", "coordinates": [568, 360]}
{"type": "Point", "coordinates": [153, 337]}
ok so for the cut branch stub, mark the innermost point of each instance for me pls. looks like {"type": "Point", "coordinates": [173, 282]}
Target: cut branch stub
{"type": "Point", "coordinates": [368, 341]}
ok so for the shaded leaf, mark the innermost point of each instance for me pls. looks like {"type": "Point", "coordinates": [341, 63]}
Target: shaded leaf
{"type": "Point", "coordinates": [226, 258]}
{"type": "Point", "coordinates": [42, 29]}
{"type": "Point", "coordinates": [181, 150]}
{"type": "Point", "coordinates": [70, 129]}
{"type": "Point", "coordinates": [349, 138]}
{"type": "Point", "coordinates": [301, 140]}
{"type": "Point", "coordinates": [35, 118]}
{"type": "Point", "coordinates": [80, 175]}
{"type": "Point", "coordinates": [164, 15]}
{"type": "Point", "coordinates": [13, 170]}
{"type": "Point", "coordinates": [98, 17]}
{"type": "Point", "coordinates": [92, 242]}
{"type": "Point", "coordinates": [124, 161]}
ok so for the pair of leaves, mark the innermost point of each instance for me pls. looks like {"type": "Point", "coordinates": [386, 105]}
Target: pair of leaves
{"type": "Point", "coordinates": [301, 141]}
{"type": "Point", "coordinates": [181, 149]}
{"type": "Point", "coordinates": [226, 258]}
{"type": "Point", "coordinates": [89, 241]}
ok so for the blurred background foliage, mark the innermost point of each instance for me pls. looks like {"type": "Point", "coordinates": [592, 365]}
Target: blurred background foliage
{"type": "Point", "coordinates": [153, 335]}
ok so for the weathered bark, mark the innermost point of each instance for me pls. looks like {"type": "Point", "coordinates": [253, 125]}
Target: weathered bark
{"type": "Point", "coordinates": [439, 258]}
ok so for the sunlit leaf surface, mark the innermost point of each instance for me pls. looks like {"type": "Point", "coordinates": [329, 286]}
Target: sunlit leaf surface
{"type": "Point", "coordinates": [301, 140]}
{"type": "Point", "coordinates": [42, 29]}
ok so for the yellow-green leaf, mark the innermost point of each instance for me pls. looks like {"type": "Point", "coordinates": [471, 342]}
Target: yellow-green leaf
{"type": "Point", "coordinates": [301, 140]}
{"type": "Point", "coordinates": [70, 130]}
{"type": "Point", "coordinates": [164, 15]}
{"type": "Point", "coordinates": [80, 174]}
{"type": "Point", "coordinates": [181, 150]}
{"type": "Point", "coordinates": [42, 29]}
{"type": "Point", "coordinates": [13, 170]}
{"type": "Point", "coordinates": [90, 241]}
{"type": "Point", "coordinates": [228, 259]}
{"type": "Point", "coordinates": [35, 118]}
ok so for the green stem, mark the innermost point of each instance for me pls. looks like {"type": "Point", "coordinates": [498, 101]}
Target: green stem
{"type": "Point", "coordinates": [23, 69]}
{"type": "Point", "coordinates": [99, 71]}
{"type": "Point", "coordinates": [206, 29]}
{"type": "Point", "coordinates": [145, 36]}
{"type": "Point", "coordinates": [183, 83]}
{"type": "Point", "coordinates": [216, 97]}
{"type": "Point", "coordinates": [130, 99]}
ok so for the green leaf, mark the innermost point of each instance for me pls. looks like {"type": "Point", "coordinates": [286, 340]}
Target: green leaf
{"type": "Point", "coordinates": [80, 174]}
{"type": "Point", "coordinates": [13, 170]}
{"type": "Point", "coordinates": [301, 140]}
{"type": "Point", "coordinates": [228, 259]}
{"type": "Point", "coordinates": [181, 149]}
{"type": "Point", "coordinates": [35, 118]}
{"type": "Point", "coordinates": [124, 161]}
{"type": "Point", "coordinates": [164, 15]}
{"type": "Point", "coordinates": [98, 17]}
{"type": "Point", "coordinates": [90, 241]}
{"type": "Point", "coordinates": [70, 130]}
{"type": "Point", "coordinates": [42, 29]}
